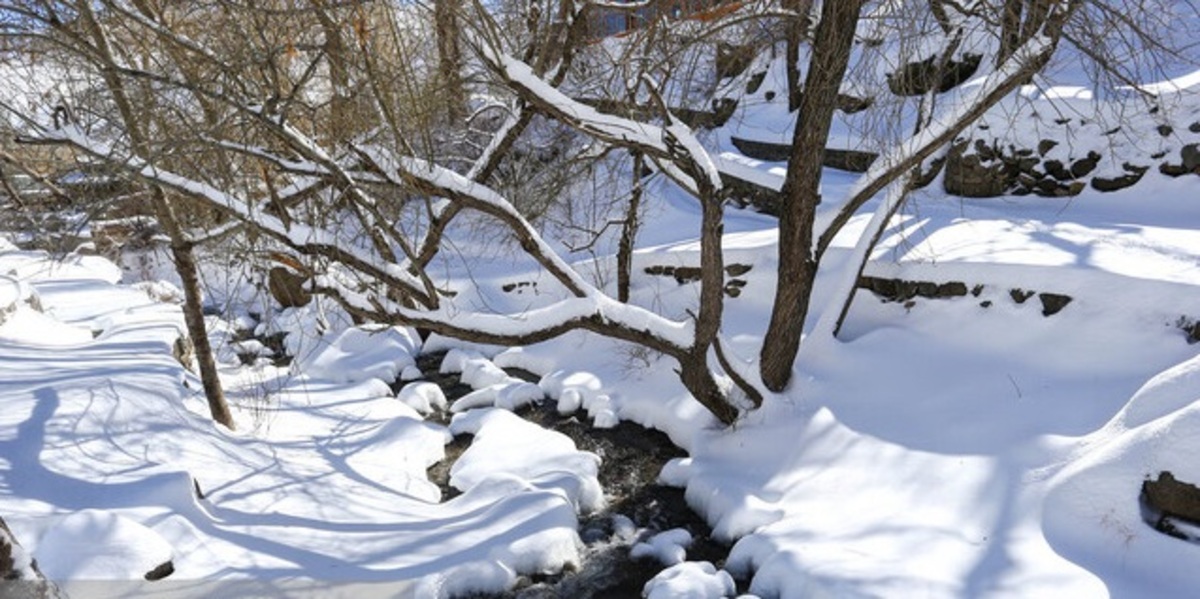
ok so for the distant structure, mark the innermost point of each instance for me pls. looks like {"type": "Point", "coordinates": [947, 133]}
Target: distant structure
{"type": "Point", "coordinates": [610, 21]}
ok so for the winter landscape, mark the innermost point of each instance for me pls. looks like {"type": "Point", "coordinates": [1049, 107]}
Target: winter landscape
{"type": "Point", "coordinates": [560, 299]}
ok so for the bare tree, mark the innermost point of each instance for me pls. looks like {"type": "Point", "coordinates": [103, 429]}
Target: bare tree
{"type": "Point", "coordinates": [368, 213]}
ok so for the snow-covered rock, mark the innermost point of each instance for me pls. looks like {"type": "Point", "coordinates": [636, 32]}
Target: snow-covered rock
{"type": "Point", "coordinates": [100, 545]}
{"type": "Point", "coordinates": [668, 547]}
{"type": "Point", "coordinates": [359, 353]}
{"type": "Point", "coordinates": [690, 580]}
{"type": "Point", "coordinates": [422, 396]}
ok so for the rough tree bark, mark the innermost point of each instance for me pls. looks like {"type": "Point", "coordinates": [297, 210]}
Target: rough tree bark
{"type": "Point", "coordinates": [801, 190]}
{"type": "Point", "coordinates": [450, 61]}
{"type": "Point", "coordinates": [629, 229]}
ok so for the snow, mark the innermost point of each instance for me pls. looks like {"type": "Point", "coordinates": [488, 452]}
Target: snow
{"type": "Point", "coordinates": [424, 397]}
{"type": "Point", "coordinates": [690, 580]}
{"type": "Point", "coordinates": [359, 354]}
{"type": "Point", "coordinates": [668, 547]}
{"type": "Point", "coordinates": [959, 447]}
{"type": "Point", "coordinates": [509, 448]}
{"type": "Point", "coordinates": [99, 545]}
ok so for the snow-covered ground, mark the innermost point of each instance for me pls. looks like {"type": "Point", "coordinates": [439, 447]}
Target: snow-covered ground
{"type": "Point", "coordinates": [941, 448]}
{"type": "Point", "coordinates": [961, 447]}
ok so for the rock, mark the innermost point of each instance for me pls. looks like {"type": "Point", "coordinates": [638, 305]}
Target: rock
{"type": "Point", "coordinates": [1190, 328]}
{"type": "Point", "coordinates": [969, 176]}
{"type": "Point", "coordinates": [1165, 130]}
{"type": "Point", "coordinates": [1121, 182]}
{"type": "Point", "coordinates": [899, 290]}
{"type": "Point", "coordinates": [1045, 146]}
{"type": "Point", "coordinates": [20, 577]}
{"type": "Point", "coordinates": [919, 78]}
{"type": "Point", "coordinates": [1020, 295]}
{"type": "Point", "coordinates": [851, 104]}
{"type": "Point", "coordinates": [848, 160]}
{"type": "Point", "coordinates": [761, 150]}
{"type": "Point", "coordinates": [755, 81]}
{"type": "Point", "coordinates": [1053, 303]}
{"type": "Point", "coordinates": [185, 352]}
{"type": "Point", "coordinates": [951, 289]}
{"type": "Point", "coordinates": [1084, 166]}
{"type": "Point", "coordinates": [287, 287]}
{"type": "Point", "coordinates": [1173, 170]}
{"type": "Point", "coordinates": [737, 270]}
{"type": "Point", "coordinates": [161, 571]}
{"type": "Point", "coordinates": [1194, 127]}
{"type": "Point", "coordinates": [733, 60]}
{"type": "Point", "coordinates": [1191, 157]}
{"type": "Point", "coordinates": [1055, 169]}
{"type": "Point", "coordinates": [1171, 498]}
{"type": "Point", "coordinates": [688, 274]}
{"type": "Point", "coordinates": [1074, 189]}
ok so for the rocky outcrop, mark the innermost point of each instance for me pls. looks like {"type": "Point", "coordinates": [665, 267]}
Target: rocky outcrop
{"type": "Point", "coordinates": [906, 292]}
{"type": "Point", "coordinates": [980, 166]}
{"type": "Point", "coordinates": [692, 274]}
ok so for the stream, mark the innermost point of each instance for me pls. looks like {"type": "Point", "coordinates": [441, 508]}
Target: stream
{"type": "Point", "coordinates": [631, 458]}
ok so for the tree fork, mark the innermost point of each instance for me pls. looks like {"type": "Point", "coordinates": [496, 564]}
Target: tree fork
{"type": "Point", "coordinates": [797, 262]}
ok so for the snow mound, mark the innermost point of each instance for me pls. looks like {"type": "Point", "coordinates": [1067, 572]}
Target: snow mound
{"type": "Point", "coordinates": [480, 372]}
{"type": "Point", "coordinates": [397, 454]}
{"type": "Point", "coordinates": [493, 387]}
{"type": "Point", "coordinates": [509, 446]}
{"type": "Point", "coordinates": [1092, 514]}
{"type": "Point", "coordinates": [576, 390]}
{"type": "Point", "coordinates": [422, 396]}
{"type": "Point", "coordinates": [360, 353]}
{"type": "Point", "coordinates": [521, 357]}
{"type": "Point", "coordinates": [456, 360]}
{"type": "Point", "coordinates": [98, 545]}
{"type": "Point", "coordinates": [690, 580]}
{"type": "Point", "coordinates": [31, 326]}
{"type": "Point", "coordinates": [668, 547]}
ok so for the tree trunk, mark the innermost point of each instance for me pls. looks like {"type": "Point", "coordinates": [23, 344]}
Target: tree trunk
{"type": "Point", "coordinates": [797, 30]}
{"type": "Point", "coordinates": [1010, 29]}
{"type": "Point", "coordinates": [629, 231]}
{"type": "Point", "coordinates": [193, 311]}
{"type": "Point", "coordinates": [801, 190]}
{"type": "Point", "coordinates": [181, 248]}
{"type": "Point", "coordinates": [445, 19]}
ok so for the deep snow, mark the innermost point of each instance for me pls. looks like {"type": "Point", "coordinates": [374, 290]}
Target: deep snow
{"type": "Point", "coordinates": [962, 447]}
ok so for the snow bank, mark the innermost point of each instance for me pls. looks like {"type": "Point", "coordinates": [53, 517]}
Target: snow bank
{"type": "Point", "coordinates": [1092, 513]}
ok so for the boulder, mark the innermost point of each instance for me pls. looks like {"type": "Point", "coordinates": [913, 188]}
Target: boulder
{"type": "Point", "coordinates": [287, 287]}
{"type": "Point", "coordinates": [919, 78]}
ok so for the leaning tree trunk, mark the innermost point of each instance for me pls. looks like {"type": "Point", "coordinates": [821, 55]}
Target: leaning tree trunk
{"type": "Point", "coordinates": [181, 247]}
{"type": "Point", "coordinates": [184, 256]}
{"type": "Point", "coordinates": [801, 190]}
